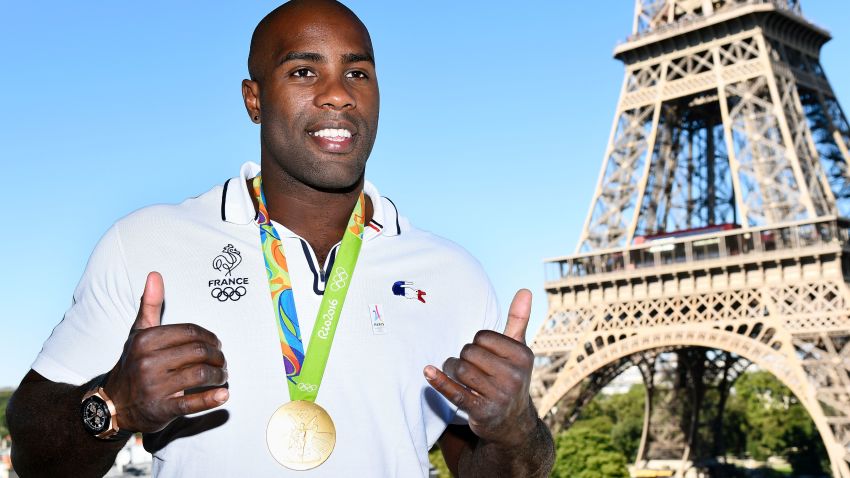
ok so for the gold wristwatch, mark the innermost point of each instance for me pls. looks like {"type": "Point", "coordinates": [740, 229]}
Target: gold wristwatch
{"type": "Point", "coordinates": [99, 416]}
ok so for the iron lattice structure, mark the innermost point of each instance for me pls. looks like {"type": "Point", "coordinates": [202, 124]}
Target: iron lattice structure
{"type": "Point", "coordinates": [716, 236]}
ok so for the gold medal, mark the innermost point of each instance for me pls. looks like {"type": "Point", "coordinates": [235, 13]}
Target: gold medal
{"type": "Point", "coordinates": [300, 435]}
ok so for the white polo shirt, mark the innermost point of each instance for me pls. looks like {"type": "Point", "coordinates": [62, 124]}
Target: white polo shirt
{"type": "Point", "coordinates": [415, 299]}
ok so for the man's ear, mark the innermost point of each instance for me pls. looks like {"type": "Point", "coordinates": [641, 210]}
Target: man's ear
{"type": "Point", "coordinates": [251, 97]}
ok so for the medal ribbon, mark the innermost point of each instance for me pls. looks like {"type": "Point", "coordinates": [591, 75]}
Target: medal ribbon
{"type": "Point", "coordinates": [304, 373]}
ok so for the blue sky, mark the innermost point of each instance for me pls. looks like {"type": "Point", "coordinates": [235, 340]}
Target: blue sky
{"type": "Point", "coordinates": [493, 125]}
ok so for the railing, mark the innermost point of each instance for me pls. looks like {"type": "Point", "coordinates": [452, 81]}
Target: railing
{"type": "Point", "coordinates": [706, 247]}
{"type": "Point", "coordinates": [688, 20]}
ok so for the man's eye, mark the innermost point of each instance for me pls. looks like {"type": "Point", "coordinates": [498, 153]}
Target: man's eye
{"type": "Point", "coordinates": [303, 72]}
{"type": "Point", "coordinates": [357, 74]}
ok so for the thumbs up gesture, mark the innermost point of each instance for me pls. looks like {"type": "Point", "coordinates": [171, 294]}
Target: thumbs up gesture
{"type": "Point", "coordinates": [159, 363]}
{"type": "Point", "coordinates": [490, 379]}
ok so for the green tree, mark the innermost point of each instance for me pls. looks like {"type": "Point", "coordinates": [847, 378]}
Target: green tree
{"type": "Point", "coordinates": [625, 410]}
{"type": "Point", "coordinates": [4, 401]}
{"type": "Point", "coordinates": [735, 427]}
{"type": "Point", "coordinates": [586, 450]}
{"type": "Point", "coordinates": [778, 424]}
{"type": "Point", "coordinates": [437, 461]}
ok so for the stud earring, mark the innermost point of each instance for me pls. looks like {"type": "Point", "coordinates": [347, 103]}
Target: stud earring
{"type": "Point", "coordinates": [256, 117]}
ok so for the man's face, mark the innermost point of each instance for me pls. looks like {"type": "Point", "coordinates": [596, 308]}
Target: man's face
{"type": "Point", "coordinates": [318, 99]}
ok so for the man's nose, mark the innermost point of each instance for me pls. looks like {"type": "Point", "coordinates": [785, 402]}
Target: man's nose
{"type": "Point", "coordinates": [334, 94]}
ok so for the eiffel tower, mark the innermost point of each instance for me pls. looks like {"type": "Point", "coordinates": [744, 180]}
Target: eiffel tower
{"type": "Point", "coordinates": [716, 237]}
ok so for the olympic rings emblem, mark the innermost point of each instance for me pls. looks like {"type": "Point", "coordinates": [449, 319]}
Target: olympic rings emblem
{"type": "Point", "coordinates": [307, 387]}
{"type": "Point", "coordinates": [223, 294]}
{"type": "Point", "coordinates": [339, 280]}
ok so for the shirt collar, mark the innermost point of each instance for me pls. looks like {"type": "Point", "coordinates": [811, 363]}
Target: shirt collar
{"type": "Point", "coordinates": [237, 208]}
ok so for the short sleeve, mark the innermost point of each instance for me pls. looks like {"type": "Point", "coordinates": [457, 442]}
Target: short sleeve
{"type": "Point", "coordinates": [90, 338]}
{"type": "Point", "coordinates": [493, 320]}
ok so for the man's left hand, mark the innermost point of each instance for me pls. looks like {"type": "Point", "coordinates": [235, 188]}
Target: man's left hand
{"type": "Point", "coordinates": [490, 379]}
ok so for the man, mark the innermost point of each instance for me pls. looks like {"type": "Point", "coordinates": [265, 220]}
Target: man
{"type": "Point", "coordinates": [196, 364]}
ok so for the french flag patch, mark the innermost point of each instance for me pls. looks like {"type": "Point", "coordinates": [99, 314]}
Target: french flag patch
{"type": "Point", "coordinates": [407, 290]}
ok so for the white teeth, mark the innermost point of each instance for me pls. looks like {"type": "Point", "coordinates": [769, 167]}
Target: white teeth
{"type": "Point", "coordinates": [332, 133]}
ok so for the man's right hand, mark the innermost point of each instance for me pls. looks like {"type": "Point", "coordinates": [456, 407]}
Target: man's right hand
{"type": "Point", "coordinates": [160, 363]}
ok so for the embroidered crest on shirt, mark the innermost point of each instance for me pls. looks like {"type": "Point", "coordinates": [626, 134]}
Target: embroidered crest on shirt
{"type": "Point", "coordinates": [407, 290]}
{"type": "Point", "coordinates": [229, 288]}
{"type": "Point", "coordinates": [229, 258]}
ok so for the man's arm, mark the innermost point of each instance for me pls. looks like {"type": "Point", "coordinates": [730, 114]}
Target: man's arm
{"type": "Point", "coordinates": [48, 438]}
{"type": "Point", "coordinates": [147, 385]}
{"type": "Point", "coordinates": [466, 455]}
{"type": "Point", "coordinates": [490, 381]}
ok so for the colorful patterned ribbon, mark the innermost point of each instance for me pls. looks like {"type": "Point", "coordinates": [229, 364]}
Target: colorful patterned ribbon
{"type": "Point", "coordinates": [304, 376]}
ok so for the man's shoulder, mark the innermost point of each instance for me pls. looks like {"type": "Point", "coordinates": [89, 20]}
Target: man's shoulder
{"type": "Point", "coordinates": [435, 243]}
{"type": "Point", "coordinates": [438, 251]}
{"type": "Point", "coordinates": [204, 208]}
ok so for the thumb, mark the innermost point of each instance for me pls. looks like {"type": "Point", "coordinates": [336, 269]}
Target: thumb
{"type": "Point", "coordinates": [518, 315]}
{"type": "Point", "coordinates": [150, 310]}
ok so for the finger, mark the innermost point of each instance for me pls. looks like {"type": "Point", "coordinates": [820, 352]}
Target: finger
{"type": "Point", "coordinates": [194, 377]}
{"type": "Point", "coordinates": [453, 391]}
{"type": "Point", "coordinates": [172, 335]}
{"type": "Point", "coordinates": [500, 345]}
{"type": "Point", "coordinates": [198, 402]}
{"type": "Point", "coordinates": [150, 309]}
{"type": "Point", "coordinates": [489, 362]}
{"type": "Point", "coordinates": [180, 356]}
{"type": "Point", "coordinates": [471, 377]}
{"type": "Point", "coordinates": [518, 315]}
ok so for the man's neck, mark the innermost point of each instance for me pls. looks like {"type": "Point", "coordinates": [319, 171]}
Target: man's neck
{"type": "Point", "coordinates": [319, 217]}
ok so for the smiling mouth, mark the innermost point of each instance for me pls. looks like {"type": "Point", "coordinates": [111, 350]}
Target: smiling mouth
{"type": "Point", "coordinates": [333, 140]}
{"type": "Point", "coordinates": [332, 134]}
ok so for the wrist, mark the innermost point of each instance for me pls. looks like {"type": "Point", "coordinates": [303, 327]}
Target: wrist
{"type": "Point", "coordinates": [532, 458]}
{"type": "Point", "coordinates": [99, 415]}
{"type": "Point", "coordinates": [520, 431]}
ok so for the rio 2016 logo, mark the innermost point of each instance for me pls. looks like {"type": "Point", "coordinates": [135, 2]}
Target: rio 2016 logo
{"type": "Point", "coordinates": [339, 280]}
{"type": "Point", "coordinates": [327, 319]}
{"type": "Point", "coordinates": [307, 387]}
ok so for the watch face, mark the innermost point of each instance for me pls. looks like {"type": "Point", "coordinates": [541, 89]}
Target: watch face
{"type": "Point", "coordinates": [96, 415]}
